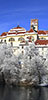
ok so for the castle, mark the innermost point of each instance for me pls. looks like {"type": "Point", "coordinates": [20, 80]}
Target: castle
{"type": "Point", "coordinates": [19, 37]}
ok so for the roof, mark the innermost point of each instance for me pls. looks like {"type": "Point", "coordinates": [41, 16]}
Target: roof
{"type": "Point", "coordinates": [17, 30]}
{"type": "Point", "coordinates": [34, 20]}
{"type": "Point", "coordinates": [12, 33]}
{"type": "Point", "coordinates": [41, 42]}
{"type": "Point", "coordinates": [42, 32]}
{"type": "Point", "coordinates": [4, 34]}
{"type": "Point", "coordinates": [17, 27]}
{"type": "Point", "coordinates": [20, 33]}
{"type": "Point", "coordinates": [31, 30]}
{"type": "Point", "coordinates": [47, 31]}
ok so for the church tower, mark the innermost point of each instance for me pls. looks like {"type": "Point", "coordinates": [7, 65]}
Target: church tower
{"type": "Point", "coordinates": [34, 24]}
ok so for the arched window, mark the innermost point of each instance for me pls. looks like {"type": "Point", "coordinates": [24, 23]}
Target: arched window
{"type": "Point", "coordinates": [21, 39]}
{"type": "Point", "coordinates": [11, 39]}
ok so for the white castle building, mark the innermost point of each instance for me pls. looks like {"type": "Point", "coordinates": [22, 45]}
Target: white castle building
{"type": "Point", "coordinates": [18, 37]}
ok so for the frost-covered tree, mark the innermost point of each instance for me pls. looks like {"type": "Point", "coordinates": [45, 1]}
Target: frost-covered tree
{"type": "Point", "coordinates": [28, 67]}
{"type": "Point", "coordinates": [45, 77]}
{"type": "Point", "coordinates": [46, 53]}
{"type": "Point", "coordinates": [9, 67]}
{"type": "Point", "coordinates": [11, 70]}
{"type": "Point", "coordinates": [32, 69]}
{"type": "Point", "coordinates": [33, 50]}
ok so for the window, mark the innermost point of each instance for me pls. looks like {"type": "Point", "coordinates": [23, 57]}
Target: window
{"type": "Point", "coordinates": [22, 47]}
{"type": "Point", "coordinates": [21, 39]}
{"type": "Point", "coordinates": [43, 38]}
{"type": "Point", "coordinates": [11, 39]}
{"type": "Point", "coordinates": [5, 41]}
{"type": "Point", "coordinates": [30, 38]}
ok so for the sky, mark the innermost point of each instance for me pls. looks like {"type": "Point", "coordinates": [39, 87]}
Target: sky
{"type": "Point", "coordinates": [20, 12]}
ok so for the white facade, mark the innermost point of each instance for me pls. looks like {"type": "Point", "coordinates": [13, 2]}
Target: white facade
{"type": "Point", "coordinates": [18, 35]}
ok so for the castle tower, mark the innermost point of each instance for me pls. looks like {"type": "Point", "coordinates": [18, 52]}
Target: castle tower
{"type": "Point", "coordinates": [34, 24]}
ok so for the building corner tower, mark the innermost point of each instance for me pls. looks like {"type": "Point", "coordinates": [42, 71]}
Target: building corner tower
{"type": "Point", "coordinates": [34, 24]}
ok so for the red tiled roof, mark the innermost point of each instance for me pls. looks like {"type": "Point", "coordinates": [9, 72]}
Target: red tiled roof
{"type": "Point", "coordinates": [41, 42]}
{"type": "Point", "coordinates": [17, 27]}
{"type": "Point", "coordinates": [21, 32]}
{"type": "Point", "coordinates": [4, 34]}
{"type": "Point", "coordinates": [31, 30]}
{"type": "Point", "coordinates": [34, 20]}
{"type": "Point", "coordinates": [47, 32]}
{"type": "Point", "coordinates": [18, 30]}
{"type": "Point", "coordinates": [42, 32]}
{"type": "Point", "coordinates": [12, 33]}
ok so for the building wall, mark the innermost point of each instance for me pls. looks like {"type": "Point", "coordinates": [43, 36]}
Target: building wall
{"type": "Point", "coordinates": [43, 37]}
{"type": "Point", "coordinates": [16, 38]}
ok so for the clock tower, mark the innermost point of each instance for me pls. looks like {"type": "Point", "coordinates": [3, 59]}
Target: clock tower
{"type": "Point", "coordinates": [34, 24]}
